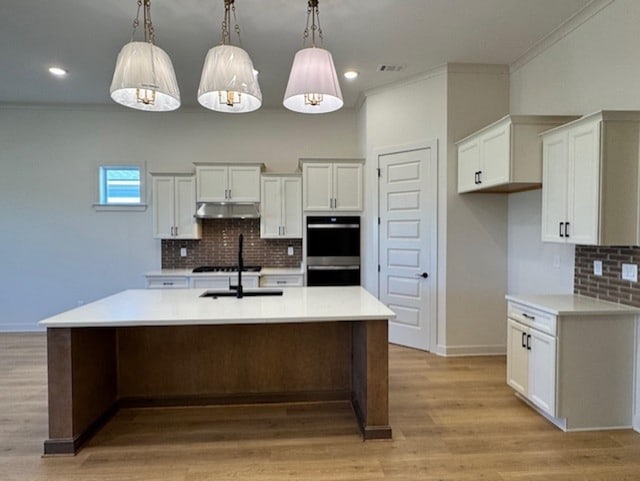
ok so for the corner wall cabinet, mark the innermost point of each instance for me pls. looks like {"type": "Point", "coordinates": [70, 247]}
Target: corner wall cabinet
{"type": "Point", "coordinates": [504, 156]}
{"type": "Point", "coordinates": [562, 352]}
{"type": "Point", "coordinates": [224, 183]}
{"type": "Point", "coordinates": [281, 207]}
{"type": "Point", "coordinates": [174, 203]}
{"type": "Point", "coordinates": [332, 185]}
{"type": "Point", "coordinates": [590, 191]}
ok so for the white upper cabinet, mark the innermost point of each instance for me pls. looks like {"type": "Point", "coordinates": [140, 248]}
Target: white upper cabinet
{"type": "Point", "coordinates": [332, 185]}
{"type": "Point", "coordinates": [174, 203]}
{"type": "Point", "coordinates": [504, 156]}
{"type": "Point", "coordinates": [224, 183]}
{"type": "Point", "coordinates": [590, 180]}
{"type": "Point", "coordinates": [281, 207]}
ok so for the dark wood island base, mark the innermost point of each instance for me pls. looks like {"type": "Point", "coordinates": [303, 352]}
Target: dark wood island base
{"type": "Point", "coordinates": [93, 371]}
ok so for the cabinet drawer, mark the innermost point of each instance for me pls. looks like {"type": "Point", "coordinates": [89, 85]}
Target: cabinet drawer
{"type": "Point", "coordinates": [167, 282]}
{"type": "Point", "coordinates": [281, 281]}
{"type": "Point", "coordinates": [214, 282]}
{"type": "Point", "coordinates": [532, 317]}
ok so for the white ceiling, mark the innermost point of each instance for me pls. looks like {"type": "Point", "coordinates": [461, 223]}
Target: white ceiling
{"type": "Point", "coordinates": [85, 36]}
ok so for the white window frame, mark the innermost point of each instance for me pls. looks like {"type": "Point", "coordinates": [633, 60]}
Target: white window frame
{"type": "Point", "coordinates": [137, 206]}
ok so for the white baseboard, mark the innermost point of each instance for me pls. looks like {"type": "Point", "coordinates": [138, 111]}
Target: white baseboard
{"type": "Point", "coordinates": [460, 351]}
{"type": "Point", "coordinates": [636, 422]}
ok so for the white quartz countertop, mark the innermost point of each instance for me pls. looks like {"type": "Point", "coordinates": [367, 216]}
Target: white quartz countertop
{"type": "Point", "coordinates": [165, 307]}
{"type": "Point", "coordinates": [570, 304]}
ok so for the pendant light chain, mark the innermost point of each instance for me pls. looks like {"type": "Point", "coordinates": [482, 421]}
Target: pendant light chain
{"type": "Point", "coordinates": [313, 13]}
{"type": "Point", "coordinates": [230, 7]}
{"type": "Point", "coordinates": [149, 32]}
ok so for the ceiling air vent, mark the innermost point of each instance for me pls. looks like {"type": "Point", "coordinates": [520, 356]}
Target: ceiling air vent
{"type": "Point", "coordinates": [390, 68]}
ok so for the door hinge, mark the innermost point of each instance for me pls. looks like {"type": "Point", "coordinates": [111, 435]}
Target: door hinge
{"type": "Point", "coordinates": [378, 267]}
{"type": "Point", "coordinates": [379, 172]}
{"type": "Point", "coordinates": [378, 220]}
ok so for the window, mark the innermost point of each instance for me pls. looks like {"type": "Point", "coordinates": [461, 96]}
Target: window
{"type": "Point", "coordinates": [120, 187]}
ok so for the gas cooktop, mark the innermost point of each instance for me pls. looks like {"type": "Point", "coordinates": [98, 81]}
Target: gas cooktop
{"type": "Point", "coordinates": [226, 269]}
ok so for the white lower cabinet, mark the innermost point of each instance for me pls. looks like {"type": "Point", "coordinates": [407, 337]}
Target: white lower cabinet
{"type": "Point", "coordinates": [167, 282]}
{"type": "Point", "coordinates": [531, 369]}
{"type": "Point", "coordinates": [573, 360]}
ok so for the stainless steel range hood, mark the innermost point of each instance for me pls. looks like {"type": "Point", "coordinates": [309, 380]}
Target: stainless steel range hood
{"type": "Point", "coordinates": [225, 210]}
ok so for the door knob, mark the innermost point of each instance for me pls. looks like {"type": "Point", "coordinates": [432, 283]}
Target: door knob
{"type": "Point", "coordinates": [424, 275]}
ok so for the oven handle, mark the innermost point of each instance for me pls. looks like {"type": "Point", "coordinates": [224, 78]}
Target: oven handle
{"type": "Point", "coordinates": [333, 268]}
{"type": "Point", "coordinates": [333, 226]}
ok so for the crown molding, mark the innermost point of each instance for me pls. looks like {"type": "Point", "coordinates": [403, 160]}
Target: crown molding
{"type": "Point", "coordinates": [579, 18]}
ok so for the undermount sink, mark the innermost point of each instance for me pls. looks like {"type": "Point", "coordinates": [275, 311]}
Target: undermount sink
{"type": "Point", "coordinates": [245, 293]}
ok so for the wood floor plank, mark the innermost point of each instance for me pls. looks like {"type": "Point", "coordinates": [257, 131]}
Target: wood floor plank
{"type": "Point", "coordinates": [453, 419]}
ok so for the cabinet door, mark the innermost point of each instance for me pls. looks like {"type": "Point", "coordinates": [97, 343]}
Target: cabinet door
{"type": "Point", "coordinates": [347, 186]}
{"type": "Point", "coordinates": [317, 192]}
{"type": "Point", "coordinates": [517, 357]}
{"type": "Point", "coordinates": [270, 207]}
{"type": "Point", "coordinates": [163, 219]}
{"type": "Point", "coordinates": [292, 207]}
{"type": "Point", "coordinates": [211, 183]}
{"type": "Point", "coordinates": [212, 282]}
{"type": "Point", "coordinates": [584, 184]}
{"type": "Point", "coordinates": [542, 371]}
{"type": "Point", "coordinates": [186, 226]}
{"type": "Point", "coordinates": [244, 183]}
{"type": "Point", "coordinates": [495, 156]}
{"type": "Point", "coordinates": [468, 165]}
{"type": "Point", "coordinates": [554, 186]}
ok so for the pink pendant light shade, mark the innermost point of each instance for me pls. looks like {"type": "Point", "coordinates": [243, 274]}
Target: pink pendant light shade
{"type": "Point", "coordinates": [313, 86]}
{"type": "Point", "coordinates": [144, 78]}
{"type": "Point", "coordinates": [228, 82]}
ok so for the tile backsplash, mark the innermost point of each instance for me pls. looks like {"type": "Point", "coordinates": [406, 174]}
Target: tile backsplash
{"type": "Point", "coordinates": [219, 246]}
{"type": "Point", "coordinates": [609, 286]}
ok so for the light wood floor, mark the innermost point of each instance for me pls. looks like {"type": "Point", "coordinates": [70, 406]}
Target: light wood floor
{"type": "Point", "coordinates": [453, 419]}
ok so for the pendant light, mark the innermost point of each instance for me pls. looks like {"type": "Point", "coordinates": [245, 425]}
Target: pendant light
{"type": "Point", "coordinates": [144, 78]}
{"type": "Point", "coordinates": [313, 86]}
{"type": "Point", "coordinates": [229, 82]}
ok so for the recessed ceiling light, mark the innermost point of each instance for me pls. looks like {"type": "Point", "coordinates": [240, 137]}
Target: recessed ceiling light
{"type": "Point", "coordinates": [350, 74]}
{"type": "Point", "coordinates": [57, 71]}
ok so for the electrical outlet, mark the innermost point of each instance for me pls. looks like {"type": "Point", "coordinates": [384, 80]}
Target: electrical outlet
{"type": "Point", "coordinates": [183, 252]}
{"type": "Point", "coordinates": [597, 268]}
{"type": "Point", "coordinates": [630, 272]}
{"type": "Point", "coordinates": [290, 250]}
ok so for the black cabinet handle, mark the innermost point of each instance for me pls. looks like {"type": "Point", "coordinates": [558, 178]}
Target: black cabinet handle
{"type": "Point", "coordinates": [479, 177]}
{"type": "Point", "coordinates": [566, 229]}
{"type": "Point", "coordinates": [560, 231]}
{"type": "Point", "coordinates": [528, 316]}
{"type": "Point", "coordinates": [524, 341]}
{"type": "Point", "coordinates": [528, 342]}
{"type": "Point", "coordinates": [475, 177]}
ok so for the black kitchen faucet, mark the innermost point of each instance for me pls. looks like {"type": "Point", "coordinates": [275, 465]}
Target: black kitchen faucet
{"type": "Point", "coordinates": [239, 292]}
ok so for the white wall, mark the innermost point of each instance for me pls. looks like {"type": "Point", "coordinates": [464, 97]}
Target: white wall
{"type": "Point", "coordinates": [55, 250]}
{"type": "Point", "coordinates": [445, 105]}
{"type": "Point", "coordinates": [595, 66]}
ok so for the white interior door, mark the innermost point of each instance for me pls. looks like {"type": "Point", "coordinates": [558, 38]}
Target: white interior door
{"type": "Point", "coordinates": [407, 243]}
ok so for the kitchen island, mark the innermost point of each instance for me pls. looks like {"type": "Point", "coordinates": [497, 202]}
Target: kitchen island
{"type": "Point", "coordinates": [171, 347]}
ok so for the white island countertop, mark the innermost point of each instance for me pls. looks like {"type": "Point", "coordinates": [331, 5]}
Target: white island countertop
{"type": "Point", "coordinates": [168, 307]}
{"type": "Point", "coordinates": [572, 305]}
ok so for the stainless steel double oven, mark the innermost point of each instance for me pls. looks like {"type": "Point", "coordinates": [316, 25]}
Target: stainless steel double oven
{"type": "Point", "coordinates": [333, 251]}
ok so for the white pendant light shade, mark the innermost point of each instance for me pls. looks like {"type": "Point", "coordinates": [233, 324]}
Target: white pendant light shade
{"type": "Point", "coordinates": [228, 82]}
{"type": "Point", "coordinates": [144, 78]}
{"type": "Point", "coordinates": [313, 86]}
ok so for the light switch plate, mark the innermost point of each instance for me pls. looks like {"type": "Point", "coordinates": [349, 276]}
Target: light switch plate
{"type": "Point", "coordinates": [630, 272]}
{"type": "Point", "coordinates": [597, 268]}
{"type": "Point", "coordinates": [183, 252]}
